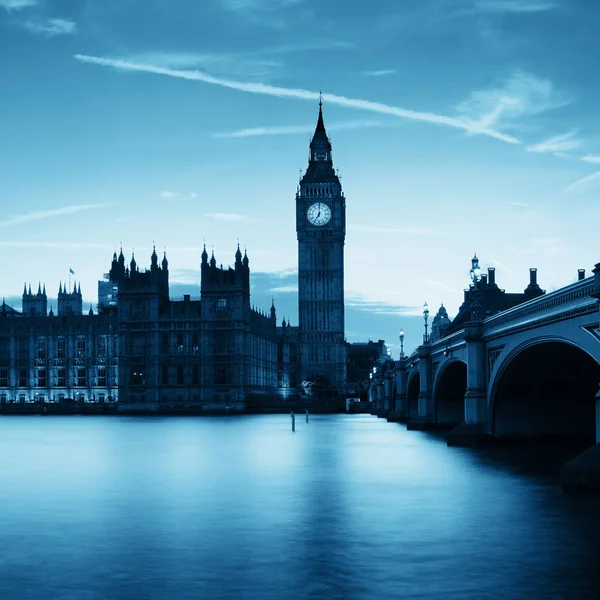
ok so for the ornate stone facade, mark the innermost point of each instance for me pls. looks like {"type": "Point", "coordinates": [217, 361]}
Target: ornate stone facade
{"type": "Point", "coordinates": [321, 229]}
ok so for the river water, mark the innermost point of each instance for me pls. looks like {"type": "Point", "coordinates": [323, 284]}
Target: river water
{"type": "Point", "coordinates": [347, 507]}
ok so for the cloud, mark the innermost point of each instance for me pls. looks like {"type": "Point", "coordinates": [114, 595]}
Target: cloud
{"type": "Point", "coordinates": [42, 215]}
{"type": "Point", "coordinates": [521, 95]}
{"type": "Point", "coordinates": [558, 143]}
{"type": "Point", "coordinates": [464, 124]}
{"type": "Point", "coordinates": [518, 203]}
{"type": "Point", "coordinates": [590, 158]}
{"type": "Point", "coordinates": [263, 12]}
{"type": "Point", "coordinates": [232, 65]}
{"type": "Point", "coordinates": [515, 6]}
{"type": "Point", "coordinates": [284, 289]}
{"type": "Point", "coordinates": [295, 129]}
{"type": "Point", "coordinates": [584, 183]}
{"type": "Point", "coordinates": [169, 195]}
{"type": "Point", "coordinates": [232, 217]}
{"type": "Point", "coordinates": [52, 27]}
{"type": "Point", "coordinates": [379, 73]}
{"type": "Point", "coordinates": [258, 5]}
{"type": "Point", "coordinates": [368, 229]}
{"type": "Point", "coordinates": [17, 4]}
{"type": "Point", "coordinates": [356, 300]}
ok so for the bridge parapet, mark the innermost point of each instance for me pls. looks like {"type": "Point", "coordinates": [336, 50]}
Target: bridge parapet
{"type": "Point", "coordinates": [553, 306]}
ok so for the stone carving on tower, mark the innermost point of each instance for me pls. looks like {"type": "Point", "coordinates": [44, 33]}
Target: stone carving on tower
{"type": "Point", "coordinates": [321, 230]}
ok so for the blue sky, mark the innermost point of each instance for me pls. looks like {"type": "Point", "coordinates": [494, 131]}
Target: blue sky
{"type": "Point", "coordinates": [457, 126]}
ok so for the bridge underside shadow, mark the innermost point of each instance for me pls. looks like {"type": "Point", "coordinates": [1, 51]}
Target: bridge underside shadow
{"type": "Point", "coordinates": [450, 396]}
{"type": "Point", "coordinates": [547, 393]}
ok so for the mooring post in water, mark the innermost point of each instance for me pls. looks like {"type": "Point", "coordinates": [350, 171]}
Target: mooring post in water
{"type": "Point", "coordinates": [293, 421]}
{"type": "Point", "coordinates": [307, 415]}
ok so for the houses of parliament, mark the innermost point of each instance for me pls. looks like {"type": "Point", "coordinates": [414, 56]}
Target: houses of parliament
{"type": "Point", "coordinates": [143, 349]}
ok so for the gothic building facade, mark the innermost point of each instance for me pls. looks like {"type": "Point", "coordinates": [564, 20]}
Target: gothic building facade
{"type": "Point", "coordinates": [144, 349]}
{"type": "Point", "coordinates": [50, 357]}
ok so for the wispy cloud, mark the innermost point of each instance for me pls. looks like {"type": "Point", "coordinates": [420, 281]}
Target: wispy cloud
{"type": "Point", "coordinates": [284, 289]}
{"type": "Point", "coordinates": [52, 27]}
{"type": "Point", "coordinates": [521, 95]}
{"type": "Point", "coordinates": [42, 215]}
{"type": "Point", "coordinates": [219, 216]}
{"type": "Point", "coordinates": [465, 124]}
{"type": "Point", "coordinates": [515, 6]}
{"type": "Point", "coordinates": [223, 64]}
{"type": "Point", "coordinates": [17, 4]}
{"type": "Point", "coordinates": [295, 129]}
{"type": "Point", "coordinates": [271, 13]}
{"type": "Point", "coordinates": [356, 300]}
{"type": "Point", "coordinates": [584, 183]}
{"type": "Point", "coordinates": [379, 73]}
{"type": "Point", "coordinates": [169, 195]}
{"type": "Point", "coordinates": [258, 5]}
{"type": "Point", "coordinates": [558, 143]}
{"type": "Point", "coordinates": [591, 158]}
{"type": "Point", "coordinates": [405, 231]}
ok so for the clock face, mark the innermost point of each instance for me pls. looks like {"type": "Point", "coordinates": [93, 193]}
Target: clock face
{"type": "Point", "coordinates": [318, 214]}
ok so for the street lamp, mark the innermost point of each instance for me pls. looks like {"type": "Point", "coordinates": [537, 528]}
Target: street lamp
{"type": "Point", "coordinates": [425, 316]}
{"type": "Point", "coordinates": [477, 291]}
{"type": "Point", "coordinates": [401, 336]}
{"type": "Point", "coordinates": [475, 270]}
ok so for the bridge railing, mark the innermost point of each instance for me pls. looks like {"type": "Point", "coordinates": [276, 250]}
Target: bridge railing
{"type": "Point", "coordinates": [578, 294]}
{"type": "Point", "coordinates": [449, 341]}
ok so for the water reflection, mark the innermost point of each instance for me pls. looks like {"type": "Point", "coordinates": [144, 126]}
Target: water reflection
{"type": "Point", "coordinates": [347, 507]}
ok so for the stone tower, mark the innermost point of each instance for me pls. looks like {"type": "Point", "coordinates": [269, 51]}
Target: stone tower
{"type": "Point", "coordinates": [35, 304]}
{"type": "Point", "coordinates": [321, 229]}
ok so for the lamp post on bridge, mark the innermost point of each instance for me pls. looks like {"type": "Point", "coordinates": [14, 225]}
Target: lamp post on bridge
{"type": "Point", "coordinates": [425, 317]}
{"type": "Point", "coordinates": [401, 337]}
{"type": "Point", "coordinates": [475, 274]}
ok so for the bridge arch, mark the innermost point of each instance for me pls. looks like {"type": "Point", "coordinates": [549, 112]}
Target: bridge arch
{"type": "Point", "coordinates": [413, 388]}
{"type": "Point", "coordinates": [545, 387]}
{"type": "Point", "coordinates": [450, 387]}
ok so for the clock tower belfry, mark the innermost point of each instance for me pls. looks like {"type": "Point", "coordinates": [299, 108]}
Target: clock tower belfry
{"type": "Point", "coordinates": [321, 229]}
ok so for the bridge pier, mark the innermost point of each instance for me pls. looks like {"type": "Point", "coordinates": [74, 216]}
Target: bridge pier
{"type": "Point", "coordinates": [583, 472]}
{"type": "Point", "coordinates": [474, 430]}
{"type": "Point", "coordinates": [426, 417]}
{"type": "Point", "coordinates": [399, 410]}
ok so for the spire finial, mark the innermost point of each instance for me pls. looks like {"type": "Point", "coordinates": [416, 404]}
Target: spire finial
{"type": "Point", "coordinates": [320, 100]}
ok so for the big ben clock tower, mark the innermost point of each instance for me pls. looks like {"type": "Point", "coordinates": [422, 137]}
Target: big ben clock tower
{"type": "Point", "coordinates": [321, 229]}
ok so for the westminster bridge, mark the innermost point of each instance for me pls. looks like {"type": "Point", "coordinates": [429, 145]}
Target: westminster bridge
{"type": "Point", "coordinates": [531, 371]}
